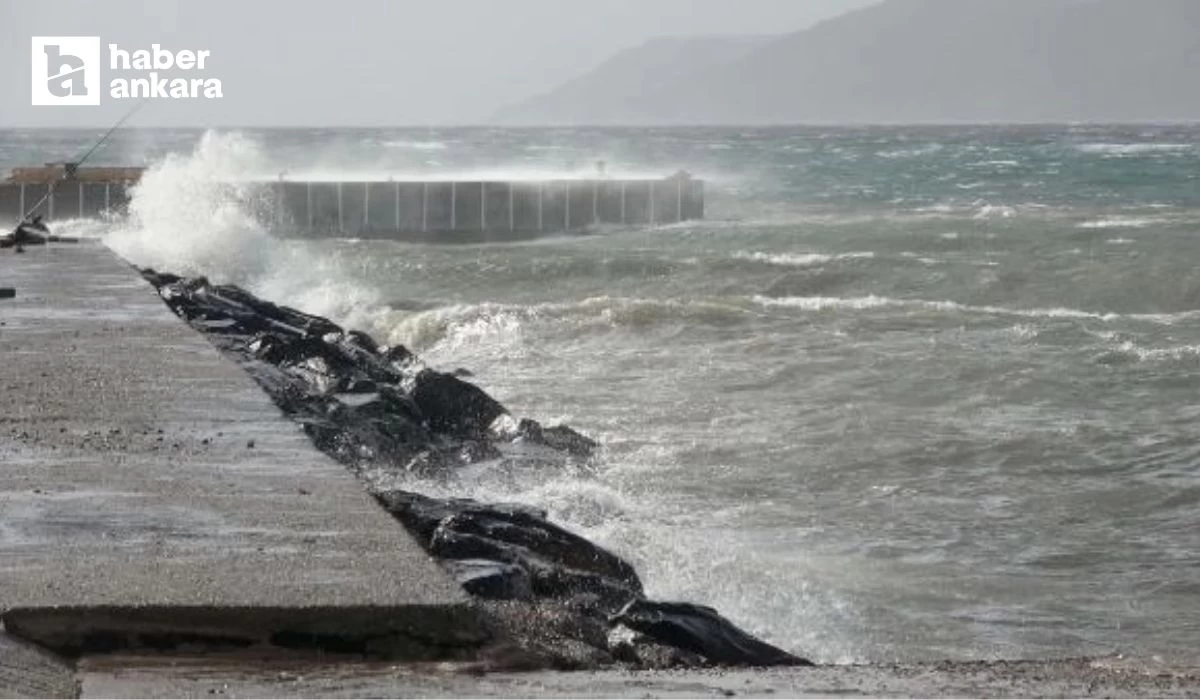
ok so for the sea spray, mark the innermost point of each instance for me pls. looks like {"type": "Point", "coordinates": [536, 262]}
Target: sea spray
{"type": "Point", "coordinates": [207, 212]}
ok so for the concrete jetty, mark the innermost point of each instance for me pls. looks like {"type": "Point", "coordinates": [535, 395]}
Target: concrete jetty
{"type": "Point", "coordinates": [153, 495]}
{"type": "Point", "coordinates": [428, 210]}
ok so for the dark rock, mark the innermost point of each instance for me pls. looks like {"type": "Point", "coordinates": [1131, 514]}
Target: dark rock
{"type": "Point", "coordinates": [453, 406]}
{"type": "Point", "coordinates": [702, 630]}
{"type": "Point", "coordinates": [364, 404]}
{"type": "Point", "coordinates": [548, 635]}
{"type": "Point", "coordinates": [494, 580]}
{"type": "Point", "coordinates": [552, 594]}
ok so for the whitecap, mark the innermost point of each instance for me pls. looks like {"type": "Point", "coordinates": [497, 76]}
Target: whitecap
{"type": "Point", "coordinates": [820, 303]}
{"type": "Point", "coordinates": [1132, 149]}
{"type": "Point", "coordinates": [801, 259]}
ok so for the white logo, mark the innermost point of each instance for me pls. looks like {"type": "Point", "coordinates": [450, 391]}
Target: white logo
{"type": "Point", "coordinates": [65, 70]}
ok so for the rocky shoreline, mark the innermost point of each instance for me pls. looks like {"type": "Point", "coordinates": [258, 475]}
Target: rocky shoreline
{"type": "Point", "coordinates": [551, 598]}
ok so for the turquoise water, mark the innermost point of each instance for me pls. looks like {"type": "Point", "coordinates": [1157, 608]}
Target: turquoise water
{"type": "Point", "coordinates": [908, 393]}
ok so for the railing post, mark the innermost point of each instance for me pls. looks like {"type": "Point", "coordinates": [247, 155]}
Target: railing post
{"type": "Point", "coordinates": [424, 206]}
{"type": "Point", "coordinates": [679, 202]}
{"type": "Point", "coordinates": [341, 223]}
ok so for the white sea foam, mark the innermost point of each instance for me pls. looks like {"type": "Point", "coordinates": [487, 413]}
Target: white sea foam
{"type": "Point", "coordinates": [1124, 222]}
{"type": "Point", "coordinates": [417, 145]}
{"type": "Point", "coordinates": [192, 213]}
{"type": "Point", "coordinates": [820, 303]}
{"type": "Point", "coordinates": [1133, 149]}
{"type": "Point", "coordinates": [469, 324]}
{"type": "Point", "coordinates": [1129, 351]}
{"type": "Point", "coordinates": [801, 259]}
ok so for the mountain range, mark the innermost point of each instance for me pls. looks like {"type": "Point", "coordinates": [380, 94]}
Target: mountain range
{"type": "Point", "coordinates": [906, 61]}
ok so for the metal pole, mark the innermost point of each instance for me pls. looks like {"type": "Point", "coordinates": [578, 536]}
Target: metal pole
{"type": "Point", "coordinates": [22, 212]}
{"type": "Point", "coordinates": [679, 202]}
{"type": "Point", "coordinates": [107, 196]}
{"type": "Point", "coordinates": [50, 203]}
{"type": "Point", "coordinates": [341, 223]}
{"type": "Point", "coordinates": [81, 200]}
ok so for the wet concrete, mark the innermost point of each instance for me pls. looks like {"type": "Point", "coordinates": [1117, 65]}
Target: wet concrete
{"type": "Point", "coordinates": [242, 678]}
{"type": "Point", "coordinates": [29, 672]}
{"type": "Point", "coordinates": [152, 493]}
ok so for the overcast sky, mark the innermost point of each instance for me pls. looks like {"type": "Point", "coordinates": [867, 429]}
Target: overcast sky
{"type": "Point", "coordinates": [367, 62]}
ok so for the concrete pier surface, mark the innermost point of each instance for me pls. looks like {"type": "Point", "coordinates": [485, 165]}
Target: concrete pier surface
{"type": "Point", "coordinates": [235, 678]}
{"type": "Point", "coordinates": [153, 495]}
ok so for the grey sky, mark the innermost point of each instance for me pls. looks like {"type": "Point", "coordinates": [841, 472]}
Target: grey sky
{"type": "Point", "coordinates": [368, 62]}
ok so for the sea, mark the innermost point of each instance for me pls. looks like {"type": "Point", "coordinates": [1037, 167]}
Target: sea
{"type": "Point", "coordinates": [906, 393]}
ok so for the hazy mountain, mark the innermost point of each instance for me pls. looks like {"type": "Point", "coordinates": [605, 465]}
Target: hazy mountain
{"type": "Point", "coordinates": [620, 86]}
{"type": "Point", "coordinates": [915, 61]}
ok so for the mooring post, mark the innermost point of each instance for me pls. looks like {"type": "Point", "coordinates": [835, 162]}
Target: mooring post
{"type": "Point", "coordinates": [341, 223]}
{"type": "Point", "coordinates": [424, 206]}
{"type": "Point", "coordinates": [679, 202]}
{"type": "Point", "coordinates": [366, 222]}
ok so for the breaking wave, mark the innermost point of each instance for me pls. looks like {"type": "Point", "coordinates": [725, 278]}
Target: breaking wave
{"type": "Point", "coordinates": [450, 326]}
{"type": "Point", "coordinates": [197, 214]}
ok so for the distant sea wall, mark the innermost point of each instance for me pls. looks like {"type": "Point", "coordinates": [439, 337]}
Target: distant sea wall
{"type": "Point", "coordinates": [439, 210]}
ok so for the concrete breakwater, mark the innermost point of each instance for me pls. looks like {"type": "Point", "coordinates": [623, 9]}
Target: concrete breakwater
{"type": "Point", "coordinates": [154, 498]}
{"type": "Point", "coordinates": [438, 210]}
{"type": "Point", "coordinates": [562, 601]}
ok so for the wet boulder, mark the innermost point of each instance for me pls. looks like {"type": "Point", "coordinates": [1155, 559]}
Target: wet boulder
{"type": "Point", "coordinates": [453, 406]}
{"type": "Point", "coordinates": [702, 630]}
